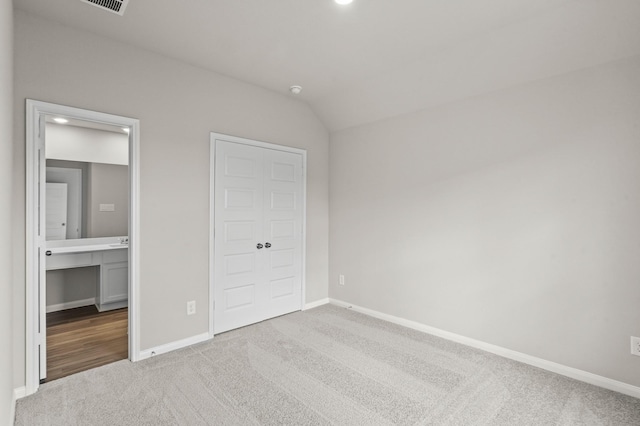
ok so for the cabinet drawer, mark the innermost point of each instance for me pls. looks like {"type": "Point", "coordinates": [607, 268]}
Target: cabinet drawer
{"type": "Point", "coordinates": [75, 260]}
{"type": "Point", "coordinates": [113, 256]}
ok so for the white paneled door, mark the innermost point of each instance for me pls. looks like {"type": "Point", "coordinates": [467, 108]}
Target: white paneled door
{"type": "Point", "coordinates": [56, 213]}
{"type": "Point", "coordinates": [258, 218]}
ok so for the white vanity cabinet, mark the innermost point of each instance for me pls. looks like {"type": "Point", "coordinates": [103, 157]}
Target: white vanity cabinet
{"type": "Point", "coordinates": [112, 260]}
{"type": "Point", "coordinates": [113, 291]}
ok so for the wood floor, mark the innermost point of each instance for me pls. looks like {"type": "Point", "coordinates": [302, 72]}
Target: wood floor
{"type": "Point", "coordinates": [83, 338]}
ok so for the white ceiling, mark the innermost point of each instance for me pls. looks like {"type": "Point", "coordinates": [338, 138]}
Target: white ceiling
{"type": "Point", "coordinates": [372, 59]}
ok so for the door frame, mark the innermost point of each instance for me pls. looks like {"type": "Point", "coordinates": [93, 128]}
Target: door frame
{"type": "Point", "coordinates": [212, 158]}
{"type": "Point", "coordinates": [35, 264]}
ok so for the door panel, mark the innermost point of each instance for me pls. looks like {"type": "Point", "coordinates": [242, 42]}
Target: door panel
{"type": "Point", "coordinates": [238, 228]}
{"type": "Point", "coordinates": [73, 179]}
{"type": "Point", "coordinates": [56, 211]}
{"type": "Point", "coordinates": [258, 196]}
{"type": "Point", "coordinates": [283, 230]}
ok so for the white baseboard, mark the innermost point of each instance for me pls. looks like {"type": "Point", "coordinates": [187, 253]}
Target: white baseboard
{"type": "Point", "coordinates": [574, 373]}
{"type": "Point", "coordinates": [18, 393]}
{"type": "Point", "coordinates": [71, 305]}
{"type": "Point", "coordinates": [168, 347]}
{"type": "Point", "coordinates": [315, 304]}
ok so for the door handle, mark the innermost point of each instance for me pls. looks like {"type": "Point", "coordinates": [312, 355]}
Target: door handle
{"type": "Point", "coordinates": [259, 246]}
{"type": "Point", "coordinates": [267, 245]}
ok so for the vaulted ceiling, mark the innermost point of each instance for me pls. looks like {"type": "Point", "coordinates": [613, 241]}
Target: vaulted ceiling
{"type": "Point", "coordinates": [372, 59]}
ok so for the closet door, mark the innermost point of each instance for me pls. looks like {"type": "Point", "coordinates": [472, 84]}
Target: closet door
{"type": "Point", "coordinates": [258, 234]}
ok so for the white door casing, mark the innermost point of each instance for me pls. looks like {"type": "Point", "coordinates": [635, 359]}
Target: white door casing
{"type": "Point", "coordinates": [258, 248]}
{"type": "Point", "coordinates": [35, 330]}
{"type": "Point", "coordinates": [56, 211]}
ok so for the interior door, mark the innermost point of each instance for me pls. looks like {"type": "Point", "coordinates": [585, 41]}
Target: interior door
{"type": "Point", "coordinates": [56, 211]}
{"type": "Point", "coordinates": [73, 179]}
{"type": "Point", "coordinates": [258, 234]}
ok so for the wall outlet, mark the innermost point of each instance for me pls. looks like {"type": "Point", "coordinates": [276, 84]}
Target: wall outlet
{"type": "Point", "coordinates": [635, 345]}
{"type": "Point", "coordinates": [341, 279]}
{"type": "Point", "coordinates": [191, 307]}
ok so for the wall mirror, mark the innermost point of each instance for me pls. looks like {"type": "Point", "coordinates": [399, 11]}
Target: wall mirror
{"type": "Point", "coordinates": [87, 179]}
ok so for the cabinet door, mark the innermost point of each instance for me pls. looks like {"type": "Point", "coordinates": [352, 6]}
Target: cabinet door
{"type": "Point", "coordinates": [114, 285]}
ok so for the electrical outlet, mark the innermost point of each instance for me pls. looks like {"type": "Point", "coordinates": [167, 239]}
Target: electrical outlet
{"type": "Point", "coordinates": [635, 346]}
{"type": "Point", "coordinates": [341, 279]}
{"type": "Point", "coordinates": [191, 307]}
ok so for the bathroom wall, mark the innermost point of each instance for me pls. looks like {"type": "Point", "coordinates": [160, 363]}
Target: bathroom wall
{"type": "Point", "coordinates": [108, 184]}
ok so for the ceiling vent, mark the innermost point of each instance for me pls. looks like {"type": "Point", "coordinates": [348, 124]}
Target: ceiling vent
{"type": "Point", "coordinates": [114, 6]}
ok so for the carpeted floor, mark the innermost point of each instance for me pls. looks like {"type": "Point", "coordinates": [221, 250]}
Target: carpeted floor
{"type": "Point", "coordinates": [328, 365]}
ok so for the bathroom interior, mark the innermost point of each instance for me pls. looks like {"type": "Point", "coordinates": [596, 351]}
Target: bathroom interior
{"type": "Point", "coordinates": [87, 217]}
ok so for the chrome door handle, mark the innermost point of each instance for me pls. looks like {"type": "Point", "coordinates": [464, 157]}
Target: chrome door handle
{"type": "Point", "coordinates": [267, 245]}
{"type": "Point", "coordinates": [259, 246]}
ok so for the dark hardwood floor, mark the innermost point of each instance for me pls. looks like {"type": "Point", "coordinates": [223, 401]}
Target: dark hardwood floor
{"type": "Point", "coordinates": [83, 338]}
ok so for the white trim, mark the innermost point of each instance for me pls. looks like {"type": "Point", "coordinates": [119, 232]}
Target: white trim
{"type": "Point", "coordinates": [317, 303]}
{"type": "Point", "coordinates": [18, 393]}
{"type": "Point", "coordinates": [574, 373]}
{"type": "Point", "coordinates": [267, 145]}
{"type": "Point", "coordinates": [169, 347]}
{"type": "Point", "coordinates": [212, 233]}
{"type": "Point", "coordinates": [134, 241]}
{"type": "Point", "coordinates": [71, 305]}
{"type": "Point", "coordinates": [34, 110]}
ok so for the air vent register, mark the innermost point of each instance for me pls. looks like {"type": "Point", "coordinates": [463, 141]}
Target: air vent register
{"type": "Point", "coordinates": [114, 6]}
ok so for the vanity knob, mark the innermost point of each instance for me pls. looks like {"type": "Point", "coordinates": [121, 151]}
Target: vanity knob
{"type": "Point", "coordinates": [267, 245]}
{"type": "Point", "coordinates": [48, 252]}
{"type": "Point", "coordinates": [259, 246]}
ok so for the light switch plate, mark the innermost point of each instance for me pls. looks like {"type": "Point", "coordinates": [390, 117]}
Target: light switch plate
{"type": "Point", "coordinates": [107, 207]}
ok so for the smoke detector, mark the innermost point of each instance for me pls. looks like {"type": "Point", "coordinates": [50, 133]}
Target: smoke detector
{"type": "Point", "coordinates": [295, 89]}
{"type": "Point", "coordinates": [113, 6]}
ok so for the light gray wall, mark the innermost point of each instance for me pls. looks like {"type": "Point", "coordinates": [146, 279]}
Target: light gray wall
{"type": "Point", "coordinates": [510, 218]}
{"type": "Point", "coordinates": [108, 184]}
{"type": "Point", "coordinates": [6, 200]}
{"type": "Point", "coordinates": [178, 106]}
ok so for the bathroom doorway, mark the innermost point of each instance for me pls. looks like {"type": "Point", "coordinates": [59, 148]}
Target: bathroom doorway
{"type": "Point", "coordinates": [82, 225]}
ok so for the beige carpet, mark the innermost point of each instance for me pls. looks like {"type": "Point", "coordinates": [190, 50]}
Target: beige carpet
{"type": "Point", "coordinates": [328, 365]}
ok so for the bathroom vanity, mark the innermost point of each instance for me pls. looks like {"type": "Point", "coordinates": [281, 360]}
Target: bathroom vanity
{"type": "Point", "coordinates": [110, 254]}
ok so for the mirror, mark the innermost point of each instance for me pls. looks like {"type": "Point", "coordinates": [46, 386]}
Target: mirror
{"type": "Point", "coordinates": [87, 179]}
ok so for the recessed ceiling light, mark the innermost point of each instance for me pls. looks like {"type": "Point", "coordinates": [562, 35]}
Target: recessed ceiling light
{"type": "Point", "coordinates": [295, 89]}
{"type": "Point", "coordinates": [60, 120]}
{"type": "Point", "coordinates": [343, 1]}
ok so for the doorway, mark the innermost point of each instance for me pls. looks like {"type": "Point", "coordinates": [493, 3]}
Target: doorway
{"type": "Point", "coordinates": [258, 223]}
{"type": "Point", "coordinates": [74, 236]}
